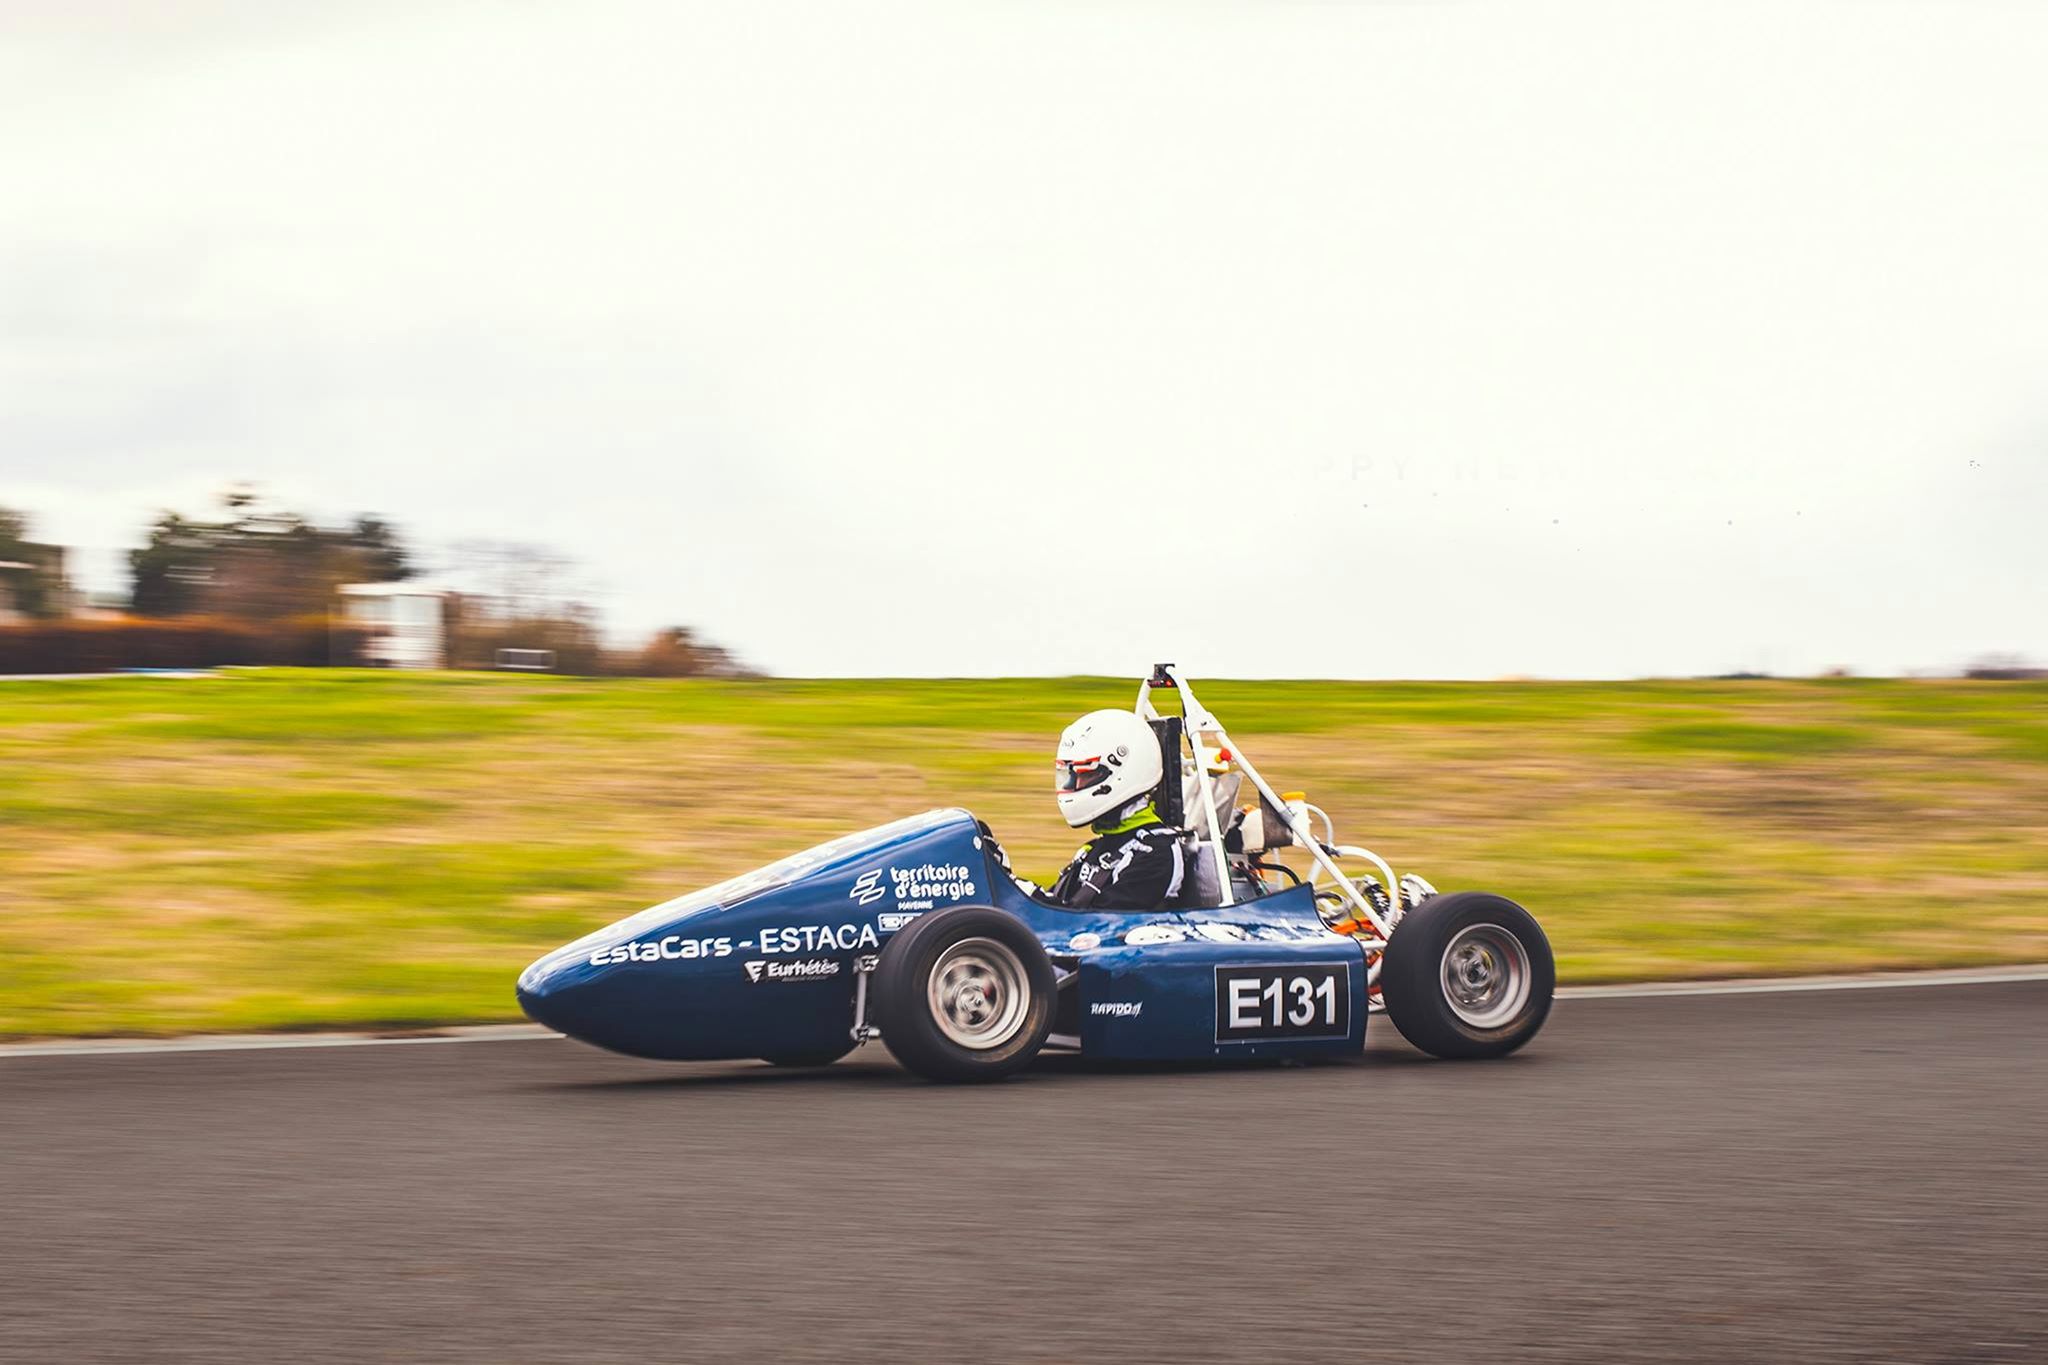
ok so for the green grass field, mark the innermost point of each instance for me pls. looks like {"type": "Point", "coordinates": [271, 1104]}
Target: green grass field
{"type": "Point", "coordinates": [286, 849]}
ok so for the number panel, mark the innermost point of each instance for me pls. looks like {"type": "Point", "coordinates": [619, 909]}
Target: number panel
{"type": "Point", "coordinates": [1300, 1001]}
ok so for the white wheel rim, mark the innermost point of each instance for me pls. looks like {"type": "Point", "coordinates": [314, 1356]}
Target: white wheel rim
{"type": "Point", "coordinates": [1486, 975]}
{"type": "Point", "coordinates": [979, 993]}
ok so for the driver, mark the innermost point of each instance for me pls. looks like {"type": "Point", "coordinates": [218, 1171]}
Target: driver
{"type": "Point", "coordinates": [1106, 770]}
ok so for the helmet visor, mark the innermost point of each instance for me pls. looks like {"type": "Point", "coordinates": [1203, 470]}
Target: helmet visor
{"type": "Point", "coordinates": [1078, 774]}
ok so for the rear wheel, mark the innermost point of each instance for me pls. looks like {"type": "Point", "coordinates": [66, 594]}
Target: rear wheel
{"type": "Point", "coordinates": [964, 995]}
{"type": "Point", "coordinates": [1468, 975]}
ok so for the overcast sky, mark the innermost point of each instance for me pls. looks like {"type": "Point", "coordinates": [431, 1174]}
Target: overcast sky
{"type": "Point", "coordinates": [1324, 339]}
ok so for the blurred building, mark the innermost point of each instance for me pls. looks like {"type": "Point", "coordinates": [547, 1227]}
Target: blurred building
{"type": "Point", "coordinates": [396, 625]}
{"type": "Point", "coordinates": [33, 582]}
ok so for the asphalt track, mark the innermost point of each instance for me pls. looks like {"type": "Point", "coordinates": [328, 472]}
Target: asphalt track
{"type": "Point", "coordinates": [1849, 1175]}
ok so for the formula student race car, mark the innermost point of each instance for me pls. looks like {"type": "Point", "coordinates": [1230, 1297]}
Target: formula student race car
{"type": "Point", "coordinates": [916, 932]}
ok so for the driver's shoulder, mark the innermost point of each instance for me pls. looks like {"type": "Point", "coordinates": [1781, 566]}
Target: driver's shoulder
{"type": "Point", "coordinates": [1156, 838]}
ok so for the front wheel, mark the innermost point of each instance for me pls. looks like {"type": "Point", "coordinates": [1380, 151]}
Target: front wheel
{"type": "Point", "coordinates": [1468, 975]}
{"type": "Point", "coordinates": [964, 995]}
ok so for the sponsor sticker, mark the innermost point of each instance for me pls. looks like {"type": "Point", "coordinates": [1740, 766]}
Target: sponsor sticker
{"type": "Point", "coordinates": [930, 884]}
{"type": "Point", "coordinates": [809, 969]}
{"type": "Point", "coordinates": [668, 948]}
{"type": "Point", "coordinates": [1147, 935]}
{"type": "Point", "coordinates": [1081, 943]}
{"type": "Point", "coordinates": [924, 887]}
{"type": "Point", "coordinates": [818, 938]}
{"type": "Point", "coordinates": [1118, 1009]}
{"type": "Point", "coordinates": [889, 921]}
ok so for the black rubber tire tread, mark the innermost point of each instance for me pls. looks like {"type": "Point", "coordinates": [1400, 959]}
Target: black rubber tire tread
{"type": "Point", "coordinates": [897, 995]}
{"type": "Point", "coordinates": [1411, 981]}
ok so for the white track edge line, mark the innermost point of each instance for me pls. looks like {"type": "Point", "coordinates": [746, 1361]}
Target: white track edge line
{"type": "Point", "coordinates": [506, 1033]}
{"type": "Point", "coordinates": [261, 1042]}
{"type": "Point", "coordinates": [1787, 985]}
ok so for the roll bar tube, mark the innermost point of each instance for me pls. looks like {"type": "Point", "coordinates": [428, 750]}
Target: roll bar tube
{"type": "Point", "coordinates": [1198, 718]}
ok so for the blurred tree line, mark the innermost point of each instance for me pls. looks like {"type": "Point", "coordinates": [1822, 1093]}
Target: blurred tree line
{"type": "Point", "coordinates": [257, 563]}
{"type": "Point", "coordinates": [255, 583]}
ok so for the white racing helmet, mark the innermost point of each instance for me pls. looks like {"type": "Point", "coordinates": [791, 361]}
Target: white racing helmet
{"type": "Point", "coordinates": [1106, 759]}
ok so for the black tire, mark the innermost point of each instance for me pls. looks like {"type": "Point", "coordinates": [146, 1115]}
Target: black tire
{"type": "Point", "coordinates": [1486, 1020]}
{"type": "Point", "coordinates": [1000, 965]}
{"type": "Point", "coordinates": [798, 1060]}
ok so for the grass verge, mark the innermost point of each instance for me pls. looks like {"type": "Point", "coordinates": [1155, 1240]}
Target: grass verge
{"type": "Point", "coordinates": [286, 849]}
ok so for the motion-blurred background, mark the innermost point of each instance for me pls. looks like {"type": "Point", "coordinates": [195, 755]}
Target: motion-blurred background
{"type": "Point", "coordinates": [483, 456]}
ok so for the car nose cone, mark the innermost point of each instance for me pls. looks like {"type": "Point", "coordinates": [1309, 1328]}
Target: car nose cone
{"type": "Point", "coordinates": [550, 997]}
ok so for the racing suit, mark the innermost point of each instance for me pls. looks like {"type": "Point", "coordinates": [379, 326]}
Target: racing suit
{"type": "Point", "coordinates": [1133, 863]}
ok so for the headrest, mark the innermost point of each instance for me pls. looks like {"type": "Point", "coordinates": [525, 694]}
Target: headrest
{"type": "Point", "coordinates": [1225, 790]}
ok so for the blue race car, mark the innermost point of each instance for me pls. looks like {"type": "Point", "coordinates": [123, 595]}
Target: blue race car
{"type": "Point", "coordinates": [917, 933]}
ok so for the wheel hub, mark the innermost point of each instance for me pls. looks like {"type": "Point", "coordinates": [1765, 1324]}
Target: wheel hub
{"type": "Point", "coordinates": [1486, 976]}
{"type": "Point", "coordinates": [978, 993]}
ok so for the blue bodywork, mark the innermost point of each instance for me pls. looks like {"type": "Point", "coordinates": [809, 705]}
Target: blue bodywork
{"type": "Point", "coordinates": [764, 965]}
